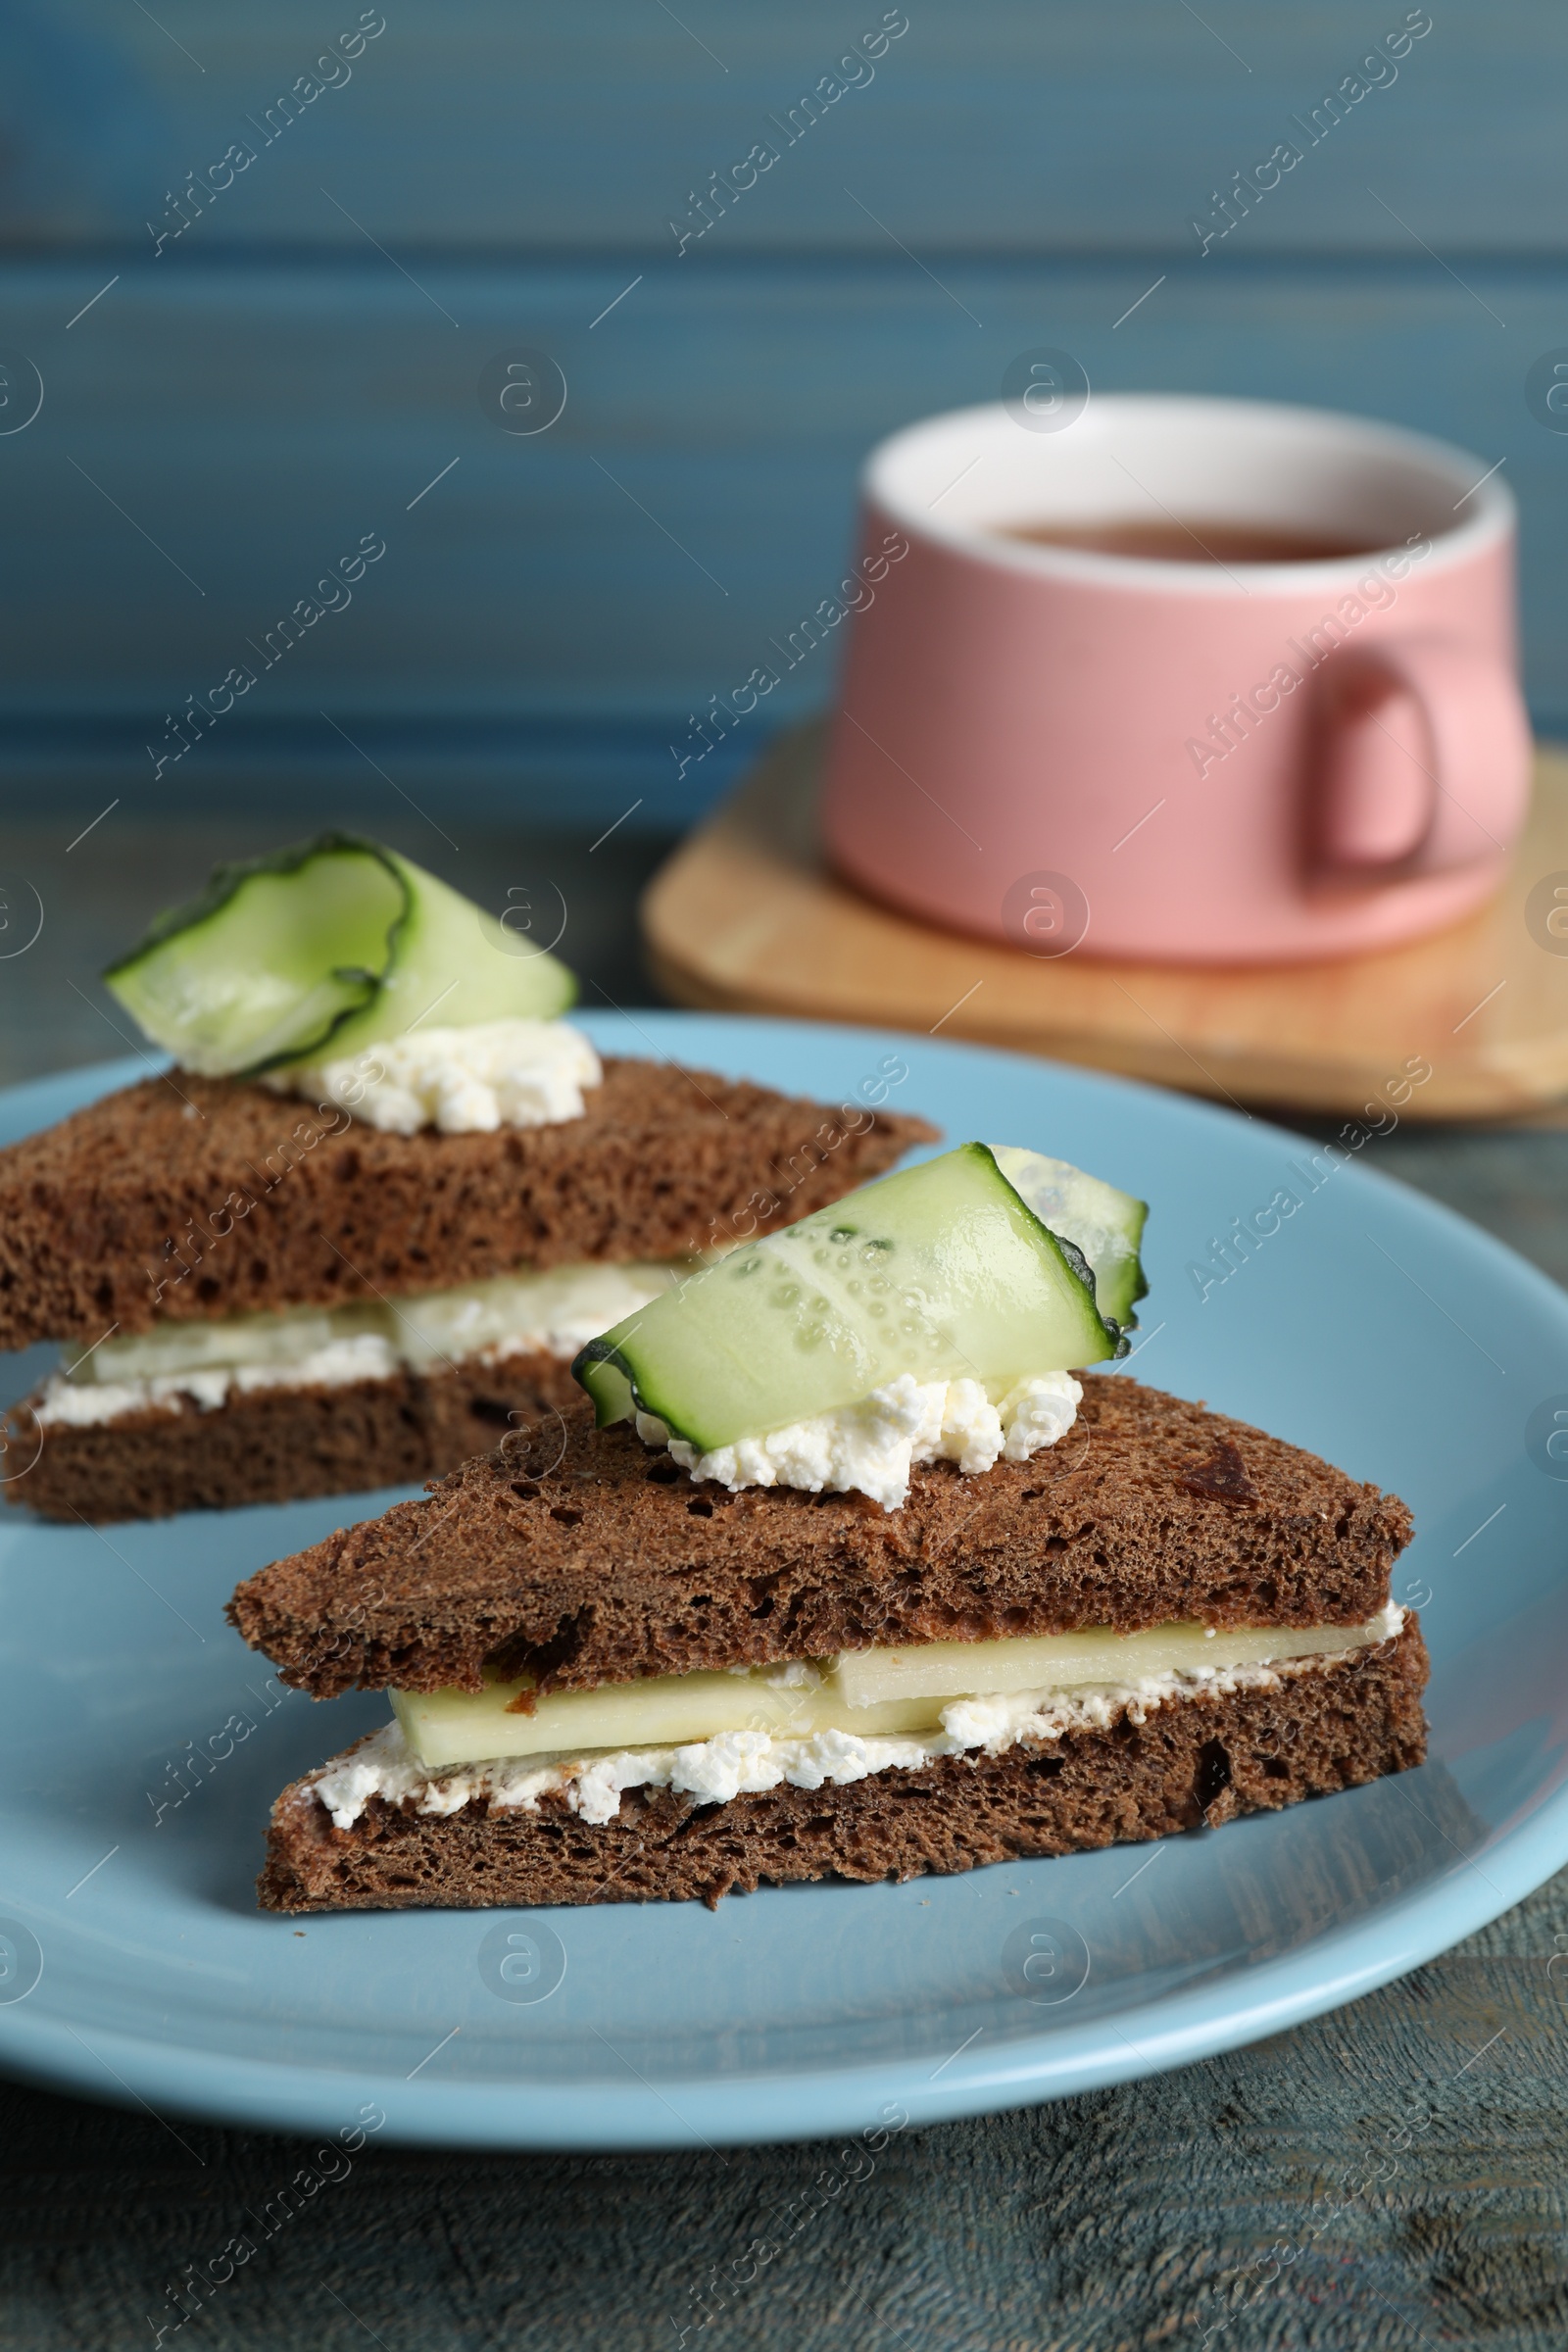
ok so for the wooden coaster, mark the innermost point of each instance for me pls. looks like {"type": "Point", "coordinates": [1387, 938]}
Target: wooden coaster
{"type": "Point", "coordinates": [745, 918]}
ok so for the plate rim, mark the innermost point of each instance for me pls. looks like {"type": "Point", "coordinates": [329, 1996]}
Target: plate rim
{"type": "Point", "coordinates": [1172, 2029]}
{"type": "Point", "coordinates": [755, 2110]}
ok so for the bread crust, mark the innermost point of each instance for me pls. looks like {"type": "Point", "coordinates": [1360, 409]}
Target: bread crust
{"type": "Point", "coordinates": [1196, 1762]}
{"type": "Point", "coordinates": [614, 1565]}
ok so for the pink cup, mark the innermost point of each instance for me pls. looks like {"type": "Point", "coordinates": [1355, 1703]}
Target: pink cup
{"type": "Point", "coordinates": [1181, 762]}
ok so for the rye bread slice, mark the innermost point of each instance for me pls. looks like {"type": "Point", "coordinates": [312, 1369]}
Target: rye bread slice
{"type": "Point", "coordinates": [1195, 1761]}
{"type": "Point", "coordinates": [611, 1564]}
{"type": "Point", "coordinates": [189, 1196]}
{"type": "Point", "coordinates": [276, 1445]}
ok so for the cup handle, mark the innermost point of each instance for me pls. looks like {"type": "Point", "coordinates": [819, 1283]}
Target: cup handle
{"type": "Point", "coordinates": [1426, 760]}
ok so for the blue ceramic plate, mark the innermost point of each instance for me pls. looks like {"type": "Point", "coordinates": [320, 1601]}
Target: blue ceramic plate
{"type": "Point", "coordinates": [142, 1744]}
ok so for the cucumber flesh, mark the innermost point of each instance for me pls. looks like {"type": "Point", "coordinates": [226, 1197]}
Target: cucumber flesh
{"type": "Point", "coordinates": [942, 1271]}
{"type": "Point", "coordinates": [459, 966]}
{"type": "Point", "coordinates": [332, 942]}
{"type": "Point", "coordinates": [270, 959]}
{"type": "Point", "coordinates": [870, 1694]}
{"type": "Point", "coordinates": [1106, 1225]}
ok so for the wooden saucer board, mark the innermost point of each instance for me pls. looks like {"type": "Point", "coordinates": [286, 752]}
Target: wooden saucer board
{"type": "Point", "coordinates": [746, 917]}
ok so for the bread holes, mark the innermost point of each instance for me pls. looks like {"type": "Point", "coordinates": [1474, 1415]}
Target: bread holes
{"type": "Point", "coordinates": [524, 1490]}
{"type": "Point", "coordinates": [699, 1510]}
{"type": "Point", "coordinates": [1213, 1774]}
{"type": "Point", "coordinates": [565, 1514]}
{"type": "Point", "coordinates": [1272, 1765]}
{"type": "Point", "coordinates": [493, 1411]}
{"type": "Point", "coordinates": [662, 1474]}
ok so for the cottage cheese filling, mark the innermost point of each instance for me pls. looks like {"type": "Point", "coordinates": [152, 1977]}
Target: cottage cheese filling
{"type": "Point", "coordinates": [68, 1404]}
{"type": "Point", "coordinates": [463, 1081]}
{"type": "Point", "coordinates": [737, 1763]}
{"type": "Point", "coordinates": [872, 1447]}
{"type": "Point", "coordinates": [177, 1367]}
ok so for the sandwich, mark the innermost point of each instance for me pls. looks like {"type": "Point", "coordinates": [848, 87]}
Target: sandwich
{"type": "Point", "coordinates": [851, 1565]}
{"type": "Point", "coordinates": [363, 1224]}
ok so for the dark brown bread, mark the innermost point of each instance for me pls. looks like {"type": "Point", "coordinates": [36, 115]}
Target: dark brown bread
{"type": "Point", "coordinates": [275, 1444]}
{"type": "Point", "coordinates": [1198, 1760]}
{"type": "Point", "coordinates": [614, 1565]}
{"type": "Point", "coordinates": [200, 1197]}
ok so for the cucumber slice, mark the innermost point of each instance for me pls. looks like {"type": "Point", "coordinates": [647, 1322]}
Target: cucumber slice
{"type": "Point", "coordinates": [943, 1271]}
{"type": "Point", "coordinates": [457, 965]}
{"type": "Point", "coordinates": [871, 1694]}
{"type": "Point", "coordinates": [461, 1727]}
{"type": "Point", "coordinates": [1107, 1226]}
{"type": "Point", "coordinates": [332, 941]}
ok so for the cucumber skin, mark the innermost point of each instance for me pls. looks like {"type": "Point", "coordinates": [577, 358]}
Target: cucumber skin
{"type": "Point", "coordinates": [607, 1383]}
{"type": "Point", "coordinates": [1121, 1304]}
{"type": "Point", "coordinates": [230, 873]}
{"type": "Point", "coordinates": [610, 1377]}
{"type": "Point", "coordinates": [1120, 1283]}
{"type": "Point", "coordinates": [358, 1025]}
{"type": "Point", "coordinates": [222, 885]}
{"type": "Point", "coordinates": [1140, 1290]}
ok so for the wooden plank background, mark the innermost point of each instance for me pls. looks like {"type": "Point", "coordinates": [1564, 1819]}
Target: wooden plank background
{"type": "Point", "coordinates": [290, 371]}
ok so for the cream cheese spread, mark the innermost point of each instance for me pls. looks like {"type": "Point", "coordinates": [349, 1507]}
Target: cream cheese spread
{"type": "Point", "coordinates": [179, 1366]}
{"type": "Point", "coordinates": [735, 1763]}
{"type": "Point", "coordinates": [514, 1073]}
{"type": "Point", "coordinates": [872, 1445]}
{"type": "Point", "coordinates": [79, 1406]}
